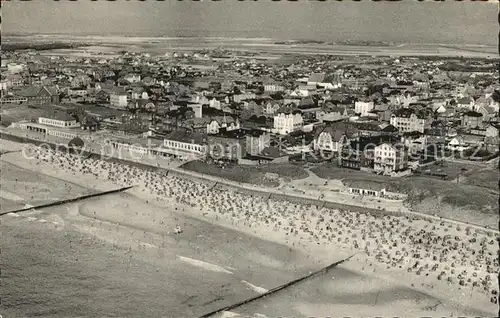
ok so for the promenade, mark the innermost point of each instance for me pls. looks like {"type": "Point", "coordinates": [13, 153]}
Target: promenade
{"type": "Point", "coordinates": [97, 150]}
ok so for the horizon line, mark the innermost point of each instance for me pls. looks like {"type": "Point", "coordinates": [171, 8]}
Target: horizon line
{"type": "Point", "coordinates": [112, 34]}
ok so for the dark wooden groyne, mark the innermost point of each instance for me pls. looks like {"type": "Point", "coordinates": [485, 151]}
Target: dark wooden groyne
{"type": "Point", "coordinates": [60, 202]}
{"type": "Point", "coordinates": [223, 186]}
{"type": "Point", "coordinates": [322, 271]}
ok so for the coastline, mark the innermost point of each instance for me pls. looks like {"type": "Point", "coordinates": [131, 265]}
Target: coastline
{"type": "Point", "coordinates": [357, 205]}
{"type": "Point", "coordinates": [320, 252]}
{"type": "Point", "coordinates": [161, 44]}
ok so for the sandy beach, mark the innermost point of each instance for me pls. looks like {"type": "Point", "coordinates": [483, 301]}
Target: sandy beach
{"type": "Point", "coordinates": [439, 259]}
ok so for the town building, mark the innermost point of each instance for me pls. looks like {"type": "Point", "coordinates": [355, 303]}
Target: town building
{"type": "Point", "coordinates": [414, 141]}
{"type": "Point", "coordinates": [390, 158]}
{"type": "Point", "coordinates": [13, 100]}
{"type": "Point", "coordinates": [492, 139]}
{"type": "Point", "coordinates": [218, 123]}
{"type": "Point", "coordinates": [132, 78]}
{"type": "Point", "coordinates": [184, 144]}
{"type": "Point", "coordinates": [333, 137]}
{"type": "Point", "coordinates": [368, 189]}
{"type": "Point", "coordinates": [61, 120]}
{"type": "Point", "coordinates": [315, 78]}
{"type": "Point", "coordinates": [77, 91]}
{"type": "Point", "coordinates": [45, 130]}
{"type": "Point", "coordinates": [457, 143]}
{"type": "Point", "coordinates": [472, 119]}
{"type": "Point", "coordinates": [271, 108]}
{"type": "Point", "coordinates": [214, 103]}
{"type": "Point", "coordinates": [273, 87]}
{"type": "Point", "coordinates": [197, 109]}
{"type": "Point", "coordinates": [406, 120]}
{"type": "Point", "coordinates": [363, 108]}
{"type": "Point", "coordinates": [256, 141]}
{"type": "Point", "coordinates": [118, 99]}
{"type": "Point", "coordinates": [40, 95]}
{"type": "Point", "coordinates": [373, 129]}
{"type": "Point", "coordinates": [227, 145]}
{"type": "Point", "coordinates": [287, 123]}
{"type": "Point", "coordinates": [331, 115]}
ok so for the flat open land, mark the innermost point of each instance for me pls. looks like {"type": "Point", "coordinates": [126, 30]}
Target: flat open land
{"type": "Point", "coordinates": [102, 45]}
{"type": "Point", "coordinates": [453, 170]}
{"type": "Point", "coordinates": [118, 256]}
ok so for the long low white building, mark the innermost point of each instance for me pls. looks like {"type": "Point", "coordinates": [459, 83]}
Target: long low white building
{"type": "Point", "coordinates": [60, 120]}
{"type": "Point", "coordinates": [185, 144]}
{"type": "Point", "coordinates": [44, 129]}
{"type": "Point", "coordinates": [177, 144]}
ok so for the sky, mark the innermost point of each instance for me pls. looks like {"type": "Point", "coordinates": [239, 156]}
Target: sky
{"type": "Point", "coordinates": [408, 21]}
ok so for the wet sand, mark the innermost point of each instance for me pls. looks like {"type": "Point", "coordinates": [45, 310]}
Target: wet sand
{"type": "Point", "coordinates": [138, 223]}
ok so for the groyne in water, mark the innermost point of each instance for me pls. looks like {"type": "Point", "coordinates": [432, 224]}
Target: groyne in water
{"type": "Point", "coordinates": [65, 201]}
{"type": "Point", "coordinates": [277, 289]}
{"type": "Point", "coordinates": [247, 189]}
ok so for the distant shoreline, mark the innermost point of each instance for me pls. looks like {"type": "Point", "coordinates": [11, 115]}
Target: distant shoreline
{"type": "Point", "coordinates": [158, 46]}
{"type": "Point", "coordinates": [7, 35]}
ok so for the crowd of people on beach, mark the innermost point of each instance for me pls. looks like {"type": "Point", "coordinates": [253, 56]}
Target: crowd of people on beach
{"type": "Point", "coordinates": [457, 254]}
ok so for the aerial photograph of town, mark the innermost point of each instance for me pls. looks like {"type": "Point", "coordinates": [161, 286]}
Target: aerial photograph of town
{"type": "Point", "coordinates": [249, 159]}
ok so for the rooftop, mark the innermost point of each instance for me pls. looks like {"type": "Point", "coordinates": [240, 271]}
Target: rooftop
{"type": "Point", "coordinates": [473, 114]}
{"type": "Point", "coordinates": [59, 116]}
{"type": "Point", "coordinates": [187, 137]}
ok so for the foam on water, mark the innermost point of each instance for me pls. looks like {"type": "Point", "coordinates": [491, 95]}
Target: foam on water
{"type": "Point", "coordinates": [204, 265]}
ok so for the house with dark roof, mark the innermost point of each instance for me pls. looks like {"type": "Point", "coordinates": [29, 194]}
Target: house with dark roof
{"type": "Point", "coordinates": [40, 95]}
{"type": "Point", "coordinates": [372, 129]}
{"type": "Point", "coordinates": [227, 145]}
{"type": "Point", "coordinates": [472, 119]}
{"type": "Point", "coordinates": [331, 138]}
{"type": "Point", "coordinates": [466, 103]}
{"type": "Point", "coordinates": [90, 123]}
